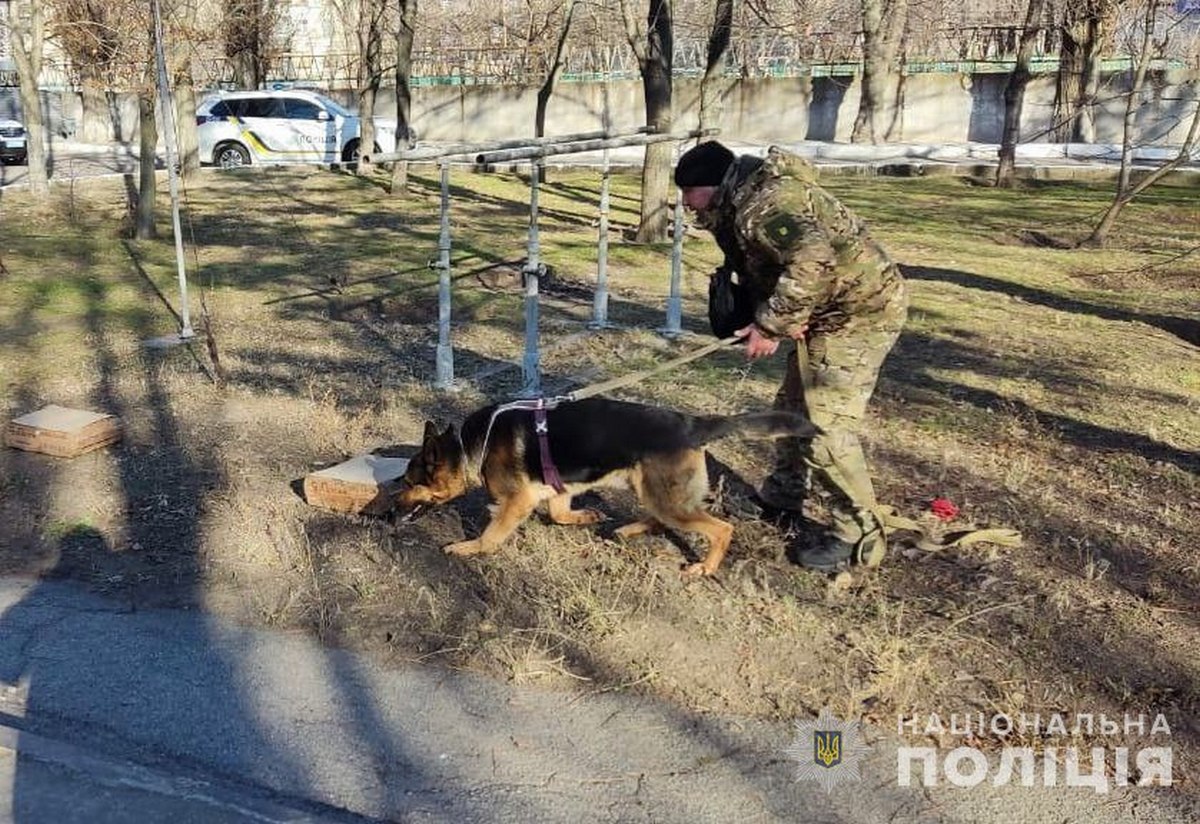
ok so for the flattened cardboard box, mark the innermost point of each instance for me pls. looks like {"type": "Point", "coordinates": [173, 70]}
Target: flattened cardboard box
{"type": "Point", "coordinates": [361, 485]}
{"type": "Point", "coordinates": [61, 431]}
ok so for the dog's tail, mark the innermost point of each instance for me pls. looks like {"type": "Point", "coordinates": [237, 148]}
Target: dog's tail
{"type": "Point", "coordinates": [776, 424]}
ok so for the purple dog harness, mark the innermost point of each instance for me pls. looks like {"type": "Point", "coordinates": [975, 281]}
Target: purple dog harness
{"type": "Point", "coordinates": [541, 427]}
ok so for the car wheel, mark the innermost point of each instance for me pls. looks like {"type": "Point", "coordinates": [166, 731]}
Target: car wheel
{"type": "Point", "coordinates": [350, 153]}
{"type": "Point", "coordinates": [231, 156]}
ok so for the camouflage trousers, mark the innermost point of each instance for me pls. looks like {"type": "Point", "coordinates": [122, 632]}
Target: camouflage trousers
{"type": "Point", "coordinates": [841, 370]}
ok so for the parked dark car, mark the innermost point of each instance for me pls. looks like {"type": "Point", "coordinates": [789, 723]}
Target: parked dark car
{"type": "Point", "coordinates": [13, 148]}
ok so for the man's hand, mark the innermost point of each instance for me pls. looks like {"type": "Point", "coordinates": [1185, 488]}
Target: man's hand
{"type": "Point", "coordinates": [758, 345]}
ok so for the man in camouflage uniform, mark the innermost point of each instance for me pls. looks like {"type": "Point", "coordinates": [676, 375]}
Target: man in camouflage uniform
{"type": "Point", "coordinates": [815, 277]}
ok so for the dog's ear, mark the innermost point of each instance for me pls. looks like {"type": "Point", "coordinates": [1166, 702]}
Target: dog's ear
{"type": "Point", "coordinates": [431, 432]}
{"type": "Point", "coordinates": [449, 434]}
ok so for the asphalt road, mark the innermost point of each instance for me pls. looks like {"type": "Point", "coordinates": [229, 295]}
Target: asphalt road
{"type": "Point", "coordinates": [110, 713]}
{"type": "Point", "coordinates": [69, 162]}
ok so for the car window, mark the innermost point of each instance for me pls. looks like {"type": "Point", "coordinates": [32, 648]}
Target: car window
{"type": "Point", "coordinates": [301, 109]}
{"type": "Point", "coordinates": [334, 107]}
{"type": "Point", "coordinates": [261, 107]}
{"type": "Point", "coordinates": [220, 109]}
{"type": "Point", "coordinates": [238, 106]}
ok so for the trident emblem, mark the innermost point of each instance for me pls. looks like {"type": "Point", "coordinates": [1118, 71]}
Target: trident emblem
{"type": "Point", "coordinates": [828, 747]}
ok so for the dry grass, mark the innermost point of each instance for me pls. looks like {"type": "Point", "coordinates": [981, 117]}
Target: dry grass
{"type": "Point", "coordinates": [1054, 391]}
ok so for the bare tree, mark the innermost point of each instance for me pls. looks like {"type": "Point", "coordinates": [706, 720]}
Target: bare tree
{"type": "Point", "coordinates": [89, 33]}
{"type": "Point", "coordinates": [1084, 31]}
{"type": "Point", "coordinates": [552, 72]}
{"type": "Point", "coordinates": [370, 44]}
{"type": "Point", "coordinates": [883, 27]}
{"type": "Point", "coordinates": [248, 29]}
{"type": "Point", "coordinates": [653, 46]}
{"type": "Point", "coordinates": [405, 32]}
{"type": "Point", "coordinates": [1127, 190]}
{"type": "Point", "coordinates": [1014, 93]}
{"type": "Point", "coordinates": [182, 35]}
{"type": "Point", "coordinates": [718, 45]}
{"type": "Point", "coordinates": [147, 192]}
{"type": "Point", "coordinates": [27, 32]}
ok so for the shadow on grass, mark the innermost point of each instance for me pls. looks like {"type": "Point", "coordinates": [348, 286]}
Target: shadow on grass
{"type": "Point", "coordinates": [1186, 329]}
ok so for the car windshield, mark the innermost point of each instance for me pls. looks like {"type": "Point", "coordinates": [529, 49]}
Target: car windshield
{"type": "Point", "coordinates": [333, 106]}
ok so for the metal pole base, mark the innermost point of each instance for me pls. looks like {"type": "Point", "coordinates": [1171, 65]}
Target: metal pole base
{"type": "Point", "coordinates": [444, 368]}
{"type": "Point", "coordinates": [167, 341]}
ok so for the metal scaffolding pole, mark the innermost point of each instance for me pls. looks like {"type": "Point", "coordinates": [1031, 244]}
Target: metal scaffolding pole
{"type": "Point", "coordinates": [576, 146]}
{"type": "Point", "coordinates": [168, 118]}
{"type": "Point", "coordinates": [530, 365]}
{"type": "Point", "coordinates": [600, 299]}
{"type": "Point", "coordinates": [675, 296]}
{"type": "Point", "coordinates": [467, 149]}
{"type": "Point", "coordinates": [444, 372]}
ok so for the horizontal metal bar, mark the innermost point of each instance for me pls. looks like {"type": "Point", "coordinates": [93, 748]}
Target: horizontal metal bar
{"type": "Point", "coordinates": [467, 149]}
{"type": "Point", "coordinates": [573, 147]}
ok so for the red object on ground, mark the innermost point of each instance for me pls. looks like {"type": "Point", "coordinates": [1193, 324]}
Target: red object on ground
{"type": "Point", "coordinates": [944, 509]}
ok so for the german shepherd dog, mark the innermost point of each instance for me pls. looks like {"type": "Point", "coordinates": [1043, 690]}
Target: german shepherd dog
{"type": "Point", "coordinates": [594, 442]}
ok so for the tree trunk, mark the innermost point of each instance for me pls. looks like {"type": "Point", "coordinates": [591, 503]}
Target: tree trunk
{"type": "Point", "coordinates": [1014, 94]}
{"type": "Point", "coordinates": [27, 38]}
{"type": "Point", "coordinates": [179, 67]}
{"type": "Point", "coordinates": [187, 141]}
{"type": "Point", "coordinates": [656, 86]}
{"type": "Point", "coordinates": [551, 81]}
{"type": "Point", "coordinates": [883, 27]}
{"type": "Point", "coordinates": [370, 41]}
{"type": "Point", "coordinates": [95, 122]}
{"type": "Point", "coordinates": [1083, 32]}
{"type": "Point", "coordinates": [718, 45]}
{"type": "Point", "coordinates": [404, 44]}
{"type": "Point", "coordinates": [1125, 192]}
{"type": "Point", "coordinates": [144, 227]}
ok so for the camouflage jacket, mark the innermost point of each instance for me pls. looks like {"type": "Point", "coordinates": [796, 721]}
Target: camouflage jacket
{"type": "Point", "coordinates": [805, 258]}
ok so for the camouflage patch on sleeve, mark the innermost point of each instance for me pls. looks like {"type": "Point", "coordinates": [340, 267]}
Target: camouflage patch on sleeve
{"type": "Point", "coordinates": [782, 231]}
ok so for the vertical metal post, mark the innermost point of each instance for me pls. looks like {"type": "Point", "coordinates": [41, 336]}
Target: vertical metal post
{"type": "Point", "coordinates": [530, 369]}
{"type": "Point", "coordinates": [675, 297]}
{"type": "Point", "coordinates": [168, 120]}
{"type": "Point", "coordinates": [600, 301]}
{"type": "Point", "coordinates": [444, 364]}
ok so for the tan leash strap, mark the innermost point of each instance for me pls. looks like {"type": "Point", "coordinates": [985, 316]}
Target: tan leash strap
{"type": "Point", "coordinates": [890, 520]}
{"type": "Point", "coordinates": [626, 380]}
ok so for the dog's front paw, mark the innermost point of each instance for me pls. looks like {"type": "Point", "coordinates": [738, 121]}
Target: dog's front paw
{"type": "Point", "coordinates": [697, 570]}
{"type": "Point", "coordinates": [586, 517]}
{"type": "Point", "coordinates": [464, 548]}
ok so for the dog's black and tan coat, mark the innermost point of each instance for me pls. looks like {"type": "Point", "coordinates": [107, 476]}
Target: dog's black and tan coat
{"type": "Point", "coordinates": [593, 443]}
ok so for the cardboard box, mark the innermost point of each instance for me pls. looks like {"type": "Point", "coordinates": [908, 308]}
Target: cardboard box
{"type": "Point", "coordinates": [362, 485]}
{"type": "Point", "coordinates": [62, 432]}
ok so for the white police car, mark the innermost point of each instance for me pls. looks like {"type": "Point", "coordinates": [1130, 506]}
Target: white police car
{"type": "Point", "coordinates": [285, 126]}
{"type": "Point", "coordinates": [13, 148]}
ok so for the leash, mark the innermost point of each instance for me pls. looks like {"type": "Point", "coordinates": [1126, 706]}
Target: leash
{"type": "Point", "coordinates": [635, 377]}
{"type": "Point", "coordinates": [889, 518]}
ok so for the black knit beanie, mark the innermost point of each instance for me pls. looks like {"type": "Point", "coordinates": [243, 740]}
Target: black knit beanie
{"type": "Point", "coordinates": [703, 165]}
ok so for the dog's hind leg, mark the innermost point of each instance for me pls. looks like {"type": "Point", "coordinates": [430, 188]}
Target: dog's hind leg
{"type": "Point", "coordinates": [561, 513]}
{"type": "Point", "coordinates": [719, 535]}
{"type": "Point", "coordinates": [510, 513]}
{"type": "Point", "coordinates": [673, 488]}
{"type": "Point", "coordinates": [644, 526]}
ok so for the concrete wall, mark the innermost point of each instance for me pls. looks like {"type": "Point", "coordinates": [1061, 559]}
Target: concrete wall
{"type": "Point", "coordinates": [937, 108]}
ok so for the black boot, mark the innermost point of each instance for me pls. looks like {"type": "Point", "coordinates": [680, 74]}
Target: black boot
{"type": "Point", "coordinates": [829, 557]}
